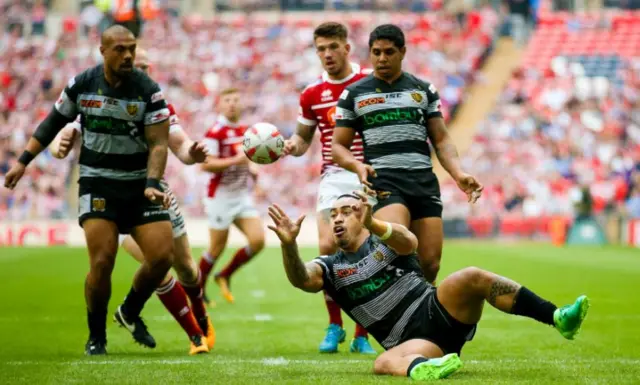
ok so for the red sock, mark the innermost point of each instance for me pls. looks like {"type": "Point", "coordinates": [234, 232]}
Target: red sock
{"type": "Point", "coordinates": [206, 265]}
{"type": "Point", "coordinates": [195, 293]}
{"type": "Point", "coordinates": [361, 332]}
{"type": "Point", "coordinates": [241, 257]}
{"type": "Point", "coordinates": [335, 313]}
{"type": "Point", "coordinates": [174, 298]}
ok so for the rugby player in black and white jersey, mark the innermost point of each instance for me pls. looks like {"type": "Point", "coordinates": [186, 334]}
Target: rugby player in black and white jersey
{"type": "Point", "coordinates": [376, 279]}
{"type": "Point", "coordinates": [173, 295]}
{"type": "Point", "coordinates": [397, 114]}
{"type": "Point", "coordinates": [124, 151]}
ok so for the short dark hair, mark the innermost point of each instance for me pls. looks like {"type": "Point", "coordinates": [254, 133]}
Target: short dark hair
{"type": "Point", "coordinates": [331, 29]}
{"type": "Point", "coordinates": [390, 32]}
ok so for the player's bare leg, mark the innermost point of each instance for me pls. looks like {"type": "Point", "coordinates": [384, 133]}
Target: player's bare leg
{"type": "Point", "coordinates": [217, 243]}
{"type": "Point", "coordinates": [335, 333]}
{"type": "Point", "coordinates": [175, 300]}
{"type": "Point", "coordinates": [156, 243]}
{"type": "Point", "coordinates": [102, 244]}
{"type": "Point", "coordinates": [397, 361]}
{"type": "Point", "coordinates": [253, 229]}
{"type": "Point", "coordinates": [191, 279]}
{"type": "Point", "coordinates": [430, 238]}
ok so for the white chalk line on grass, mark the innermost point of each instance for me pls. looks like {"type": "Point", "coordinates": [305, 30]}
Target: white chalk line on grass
{"type": "Point", "coordinates": [282, 361]}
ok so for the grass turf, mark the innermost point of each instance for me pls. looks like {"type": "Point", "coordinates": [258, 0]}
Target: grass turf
{"type": "Point", "coordinates": [271, 334]}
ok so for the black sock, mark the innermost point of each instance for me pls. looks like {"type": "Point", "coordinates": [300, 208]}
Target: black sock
{"type": "Point", "coordinates": [97, 321]}
{"type": "Point", "coordinates": [134, 302]}
{"type": "Point", "coordinates": [415, 362]}
{"type": "Point", "coordinates": [528, 304]}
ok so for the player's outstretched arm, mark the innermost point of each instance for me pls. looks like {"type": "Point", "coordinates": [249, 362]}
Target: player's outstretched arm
{"type": "Point", "coordinates": [185, 149]}
{"type": "Point", "coordinates": [394, 235]}
{"type": "Point", "coordinates": [157, 136]}
{"type": "Point", "coordinates": [63, 143]}
{"type": "Point", "coordinates": [300, 142]}
{"type": "Point", "coordinates": [306, 277]}
{"type": "Point", "coordinates": [448, 156]}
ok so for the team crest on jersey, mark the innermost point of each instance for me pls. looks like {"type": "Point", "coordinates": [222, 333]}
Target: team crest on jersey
{"type": "Point", "coordinates": [98, 204]}
{"type": "Point", "coordinates": [378, 256]}
{"type": "Point", "coordinates": [417, 97]}
{"type": "Point", "coordinates": [132, 108]}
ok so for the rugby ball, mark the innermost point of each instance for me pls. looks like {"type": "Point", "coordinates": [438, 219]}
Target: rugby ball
{"type": "Point", "coordinates": [263, 143]}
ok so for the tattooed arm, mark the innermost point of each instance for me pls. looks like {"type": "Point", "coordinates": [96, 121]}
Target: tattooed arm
{"type": "Point", "coordinates": [307, 277]}
{"type": "Point", "coordinates": [299, 143]}
{"type": "Point", "coordinates": [445, 149]}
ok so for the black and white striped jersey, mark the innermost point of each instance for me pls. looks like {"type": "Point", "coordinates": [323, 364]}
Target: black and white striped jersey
{"type": "Point", "coordinates": [392, 120]}
{"type": "Point", "coordinates": [114, 147]}
{"type": "Point", "coordinates": [376, 287]}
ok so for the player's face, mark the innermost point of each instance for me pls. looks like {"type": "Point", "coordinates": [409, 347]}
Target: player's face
{"type": "Point", "coordinates": [230, 106]}
{"type": "Point", "coordinates": [345, 224]}
{"type": "Point", "coordinates": [386, 58]}
{"type": "Point", "coordinates": [333, 54]}
{"type": "Point", "coordinates": [120, 54]}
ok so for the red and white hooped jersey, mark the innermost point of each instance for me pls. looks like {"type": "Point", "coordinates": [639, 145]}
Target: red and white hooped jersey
{"type": "Point", "coordinates": [224, 140]}
{"type": "Point", "coordinates": [318, 106]}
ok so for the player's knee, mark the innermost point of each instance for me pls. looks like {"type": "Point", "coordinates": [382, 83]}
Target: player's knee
{"type": "Point", "coordinates": [161, 257]}
{"type": "Point", "coordinates": [382, 364]}
{"type": "Point", "coordinates": [430, 263]}
{"type": "Point", "coordinates": [474, 277]}
{"type": "Point", "coordinates": [256, 244]}
{"type": "Point", "coordinates": [102, 264]}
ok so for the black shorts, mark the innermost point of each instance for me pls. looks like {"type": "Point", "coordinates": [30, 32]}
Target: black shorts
{"type": "Point", "coordinates": [433, 323]}
{"type": "Point", "coordinates": [418, 191]}
{"type": "Point", "coordinates": [126, 206]}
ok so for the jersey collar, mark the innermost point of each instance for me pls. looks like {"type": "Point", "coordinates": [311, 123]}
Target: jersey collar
{"type": "Point", "coordinates": [354, 71]}
{"type": "Point", "coordinates": [226, 122]}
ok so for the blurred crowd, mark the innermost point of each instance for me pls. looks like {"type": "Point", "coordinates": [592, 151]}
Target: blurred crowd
{"type": "Point", "coordinates": [567, 139]}
{"type": "Point", "coordinates": [270, 60]}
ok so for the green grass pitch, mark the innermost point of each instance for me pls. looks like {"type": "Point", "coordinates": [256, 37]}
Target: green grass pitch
{"type": "Point", "coordinates": [271, 334]}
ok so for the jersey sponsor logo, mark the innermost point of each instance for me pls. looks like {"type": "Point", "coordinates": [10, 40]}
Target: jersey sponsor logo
{"type": "Point", "coordinates": [396, 115]}
{"type": "Point", "coordinates": [371, 101]}
{"type": "Point", "coordinates": [132, 108]}
{"type": "Point", "coordinates": [87, 103]}
{"type": "Point", "coordinates": [111, 102]}
{"type": "Point", "coordinates": [417, 97]}
{"type": "Point", "coordinates": [344, 273]}
{"type": "Point", "coordinates": [107, 125]}
{"type": "Point", "coordinates": [326, 95]}
{"type": "Point", "coordinates": [344, 94]}
{"type": "Point", "coordinates": [368, 287]}
{"type": "Point", "coordinates": [331, 116]}
{"type": "Point", "coordinates": [98, 204]}
{"type": "Point", "coordinates": [158, 96]}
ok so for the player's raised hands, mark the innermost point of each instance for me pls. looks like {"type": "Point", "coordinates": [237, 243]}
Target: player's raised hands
{"type": "Point", "coordinates": [470, 186]}
{"type": "Point", "coordinates": [363, 208]}
{"type": "Point", "coordinates": [284, 227]}
{"type": "Point", "coordinates": [67, 139]}
{"type": "Point", "coordinates": [198, 152]}
{"type": "Point", "coordinates": [157, 197]}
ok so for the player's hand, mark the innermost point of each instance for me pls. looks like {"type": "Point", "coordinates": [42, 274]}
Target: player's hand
{"type": "Point", "coordinates": [198, 152]}
{"type": "Point", "coordinates": [67, 140]}
{"type": "Point", "coordinates": [157, 197]}
{"type": "Point", "coordinates": [240, 158]}
{"type": "Point", "coordinates": [14, 175]}
{"type": "Point", "coordinates": [285, 228]}
{"type": "Point", "coordinates": [363, 208]}
{"type": "Point", "coordinates": [364, 171]}
{"type": "Point", "coordinates": [290, 147]}
{"type": "Point", "coordinates": [470, 186]}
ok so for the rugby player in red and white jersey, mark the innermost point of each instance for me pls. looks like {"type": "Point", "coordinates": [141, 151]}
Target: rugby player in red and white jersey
{"type": "Point", "coordinates": [229, 197]}
{"type": "Point", "coordinates": [317, 108]}
{"type": "Point", "coordinates": [174, 295]}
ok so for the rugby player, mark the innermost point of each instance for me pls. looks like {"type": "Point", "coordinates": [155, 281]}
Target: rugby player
{"type": "Point", "coordinates": [377, 280]}
{"type": "Point", "coordinates": [229, 199]}
{"type": "Point", "coordinates": [122, 160]}
{"type": "Point", "coordinates": [396, 113]}
{"type": "Point", "coordinates": [172, 294]}
{"type": "Point", "coordinates": [317, 108]}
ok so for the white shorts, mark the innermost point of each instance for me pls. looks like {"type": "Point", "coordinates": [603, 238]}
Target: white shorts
{"type": "Point", "coordinates": [223, 210]}
{"type": "Point", "coordinates": [335, 182]}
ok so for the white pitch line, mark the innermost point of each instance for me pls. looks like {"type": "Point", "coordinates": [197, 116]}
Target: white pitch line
{"type": "Point", "coordinates": [282, 361]}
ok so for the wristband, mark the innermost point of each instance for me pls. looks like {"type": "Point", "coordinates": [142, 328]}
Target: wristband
{"type": "Point", "coordinates": [387, 233]}
{"type": "Point", "coordinates": [26, 157]}
{"type": "Point", "coordinates": [154, 183]}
